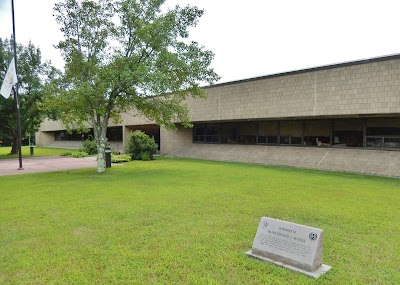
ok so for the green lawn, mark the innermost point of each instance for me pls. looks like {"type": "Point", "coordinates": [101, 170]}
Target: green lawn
{"type": "Point", "coordinates": [38, 151]}
{"type": "Point", "coordinates": [173, 221]}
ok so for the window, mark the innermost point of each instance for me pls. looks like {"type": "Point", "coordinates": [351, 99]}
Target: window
{"type": "Point", "coordinates": [114, 134]}
{"type": "Point", "coordinates": [247, 133]}
{"type": "Point", "coordinates": [374, 142]}
{"type": "Point", "coordinates": [295, 140]}
{"type": "Point", "coordinates": [229, 133]}
{"type": "Point", "coordinates": [348, 132]}
{"type": "Point", "coordinates": [74, 136]}
{"type": "Point", "coordinates": [291, 132]}
{"type": "Point", "coordinates": [268, 132]}
{"type": "Point", "coordinates": [206, 133]}
{"type": "Point", "coordinates": [284, 140]}
{"type": "Point", "coordinates": [212, 133]}
{"type": "Point", "coordinates": [199, 131]}
{"type": "Point", "coordinates": [383, 132]}
{"type": "Point", "coordinates": [317, 132]}
{"type": "Point", "coordinates": [373, 132]}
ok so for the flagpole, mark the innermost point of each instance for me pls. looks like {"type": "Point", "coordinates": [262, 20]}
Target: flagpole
{"type": "Point", "coordinates": [16, 93]}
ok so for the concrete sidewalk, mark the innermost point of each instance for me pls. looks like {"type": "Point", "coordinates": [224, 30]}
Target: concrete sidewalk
{"type": "Point", "coordinates": [44, 164]}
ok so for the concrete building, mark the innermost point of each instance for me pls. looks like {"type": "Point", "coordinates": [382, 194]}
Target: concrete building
{"type": "Point", "coordinates": [337, 117]}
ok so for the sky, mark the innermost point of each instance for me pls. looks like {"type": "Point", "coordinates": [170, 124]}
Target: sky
{"type": "Point", "coordinates": [254, 37]}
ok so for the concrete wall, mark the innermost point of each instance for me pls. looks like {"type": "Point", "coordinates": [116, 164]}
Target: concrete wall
{"type": "Point", "coordinates": [131, 118]}
{"type": "Point", "coordinates": [116, 146]}
{"type": "Point", "coordinates": [360, 89]}
{"type": "Point", "coordinates": [174, 140]}
{"type": "Point", "coordinates": [371, 162]}
{"type": "Point", "coordinates": [44, 138]}
{"type": "Point", "coordinates": [372, 88]}
{"type": "Point", "coordinates": [49, 126]}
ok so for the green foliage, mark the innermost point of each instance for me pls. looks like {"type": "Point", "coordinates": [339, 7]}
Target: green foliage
{"type": "Point", "coordinates": [141, 146]}
{"type": "Point", "coordinates": [80, 154]}
{"type": "Point", "coordinates": [76, 154]}
{"type": "Point", "coordinates": [32, 72]}
{"type": "Point", "coordinates": [145, 156]}
{"type": "Point", "coordinates": [66, 153]}
{"type": "Point", "coordinates": [120, 158]}
{"type": "Point", "coordinates": [89, 146]}
{"type": "Point", "coordinates": [127, 54]}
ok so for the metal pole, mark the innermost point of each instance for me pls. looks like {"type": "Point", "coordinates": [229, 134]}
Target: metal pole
{"type": "Point", "coordinates": [16, 92]}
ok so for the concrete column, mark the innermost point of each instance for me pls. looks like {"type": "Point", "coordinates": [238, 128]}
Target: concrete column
{"type": "Point", "coordinates": [173, 140]}
{"type": "Point", "coordinates": [44, 138]}
{"type": "Point", "coordinates": [125, 131]}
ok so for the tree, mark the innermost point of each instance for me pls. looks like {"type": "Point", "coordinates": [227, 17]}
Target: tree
{"type": "Point", "coordinates": [127, 54]}
{"type": "Point", "coordinates": [31, 75]}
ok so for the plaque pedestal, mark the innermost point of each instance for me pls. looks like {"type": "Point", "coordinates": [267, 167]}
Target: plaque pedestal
{"type": "Point", "coordinates": [317, 273]}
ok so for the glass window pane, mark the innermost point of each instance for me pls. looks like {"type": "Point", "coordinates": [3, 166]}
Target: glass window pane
{"type": "Point", "coordinates": [383, 126]}
{"type": "Point", "coordinates": [291, 128]}
{"type": "Point", "coordinates": [209, 139]}
{"type": "Point", "coordinates": [268, 128]}
{"type": "Point", "coordinates": [212, 129]}
{"type": "Point", "coordinates": [295, 140]}
{"type": "Point", "coordinates": [229, 133]}
{"type": "Point", "coordinates": [199, 129]}
{"type": "Point", "coordinates": [247, 132]}
{"type": "Point", "coordinates": [317, 128]}
{"type": "Point", "coordinates": [284, 140]}
{"type": "Point", "coordinates": [391, 142]}
{"type": "Point", "coordinates": [348, 132]}
{"type": "Point", "coordinates": [262, 139]}
{"type": "Point", "coordinates": [374, 142]}
{"type": "Point", "coordinates": [114, 134]}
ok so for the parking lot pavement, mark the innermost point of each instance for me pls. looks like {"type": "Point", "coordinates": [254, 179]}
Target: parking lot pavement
{"type": "Point", "coordinates": [44, 164]}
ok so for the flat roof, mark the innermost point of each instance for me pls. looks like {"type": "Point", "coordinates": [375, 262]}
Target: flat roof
{"type": "Point", "coordinates": [323, 67]}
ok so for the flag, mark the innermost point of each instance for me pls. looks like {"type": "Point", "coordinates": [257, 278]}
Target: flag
{"type": "Point", "coordinates": [9, 80]}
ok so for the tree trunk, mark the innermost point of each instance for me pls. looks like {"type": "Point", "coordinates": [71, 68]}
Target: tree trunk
{"type": "Point", "coordinates": [14, 145]}
{"type": "Point", "coordinates": [101, 148]}
{"type": "Point", "coordinates": [100, 135]}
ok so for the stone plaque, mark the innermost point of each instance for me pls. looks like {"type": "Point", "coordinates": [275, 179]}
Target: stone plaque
{"type": "Point", "coordinates": [291, 245]}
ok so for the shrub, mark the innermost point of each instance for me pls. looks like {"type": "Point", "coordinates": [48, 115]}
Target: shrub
{"type": "Point", "coordinates": [89, 146]}
{"type": "Point", "coordinates": [120, 158]}
{"type": "Point", "coordinates": [139, 143]}
{"type": "Point", "coordinates": [80, 154]}
{"type": "Point", "coordinates": [66, 153]}
{"type": "Point", "coordinates": [146, 156]}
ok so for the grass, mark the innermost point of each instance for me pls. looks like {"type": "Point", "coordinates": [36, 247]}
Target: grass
{"type": "Point", "coordinates": [38, 151]}
{"type": "Point", "coordinates": [173, 221]}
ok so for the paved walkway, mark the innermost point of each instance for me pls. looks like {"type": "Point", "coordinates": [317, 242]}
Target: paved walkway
{"type": "Point", "coordinates": [44, 164]}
